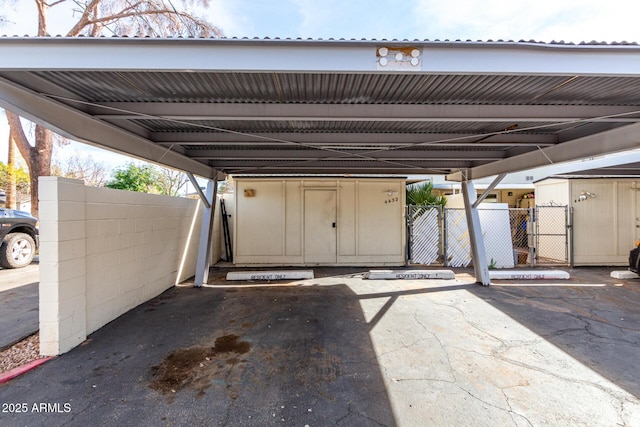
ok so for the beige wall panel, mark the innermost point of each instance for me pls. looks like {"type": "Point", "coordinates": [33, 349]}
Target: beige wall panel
{"type": "Point", "coordinates": [293, 219]}
{"type": "Point", "coordinates": [552, 191]}
{"type": "Point", "coordinates": [260, 219]}
{"type": "Point", "coordinates": [347, 219]}
{"type": "Point", "coordinates": [611, 260]}
{"type": "Point", "coordinates": [380, 218]}
{"type": "Point", "coordinates": [594, 219]}
{"type": "Point", "coordinates": [331, 182]}
{"type": "Point", "coordinates": [626, 217]}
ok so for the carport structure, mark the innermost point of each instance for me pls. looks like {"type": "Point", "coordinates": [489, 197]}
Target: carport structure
{"type": "Point", "coordinates": [213, 107]}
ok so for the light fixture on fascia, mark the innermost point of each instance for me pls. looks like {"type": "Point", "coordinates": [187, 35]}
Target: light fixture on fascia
{"type": "Point", "coordinates": [399, 58]}
{"type": "Point", "coordinates": [584, 195]}
{"type": "Point", "coordinates": [391, 193]}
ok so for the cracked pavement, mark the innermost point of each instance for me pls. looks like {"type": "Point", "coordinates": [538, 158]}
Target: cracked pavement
{"type": "Point", "coordinates": [340, 350]}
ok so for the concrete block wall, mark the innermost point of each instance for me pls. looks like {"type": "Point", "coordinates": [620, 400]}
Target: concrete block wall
{"type": "Point", "coordinates": [104, 251]}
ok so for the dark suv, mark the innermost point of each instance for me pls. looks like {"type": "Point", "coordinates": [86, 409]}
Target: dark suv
{"type": "Point", "coordinates": [19, 238]}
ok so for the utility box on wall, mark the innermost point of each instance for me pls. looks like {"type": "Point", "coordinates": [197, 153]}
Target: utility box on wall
{"type": "Point", "coordinates": [606, 215]}
{"type": "Point", "coordinates": [319, 221]}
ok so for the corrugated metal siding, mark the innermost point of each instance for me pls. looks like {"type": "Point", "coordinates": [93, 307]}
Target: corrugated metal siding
{"type": "Point", "coordinates": [345, 126]}
{"type": "Point", "coordinates": [346, 88]}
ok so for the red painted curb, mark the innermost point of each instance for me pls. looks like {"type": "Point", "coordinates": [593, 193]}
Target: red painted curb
{"type": "Point", "coordinates": [9, 375]}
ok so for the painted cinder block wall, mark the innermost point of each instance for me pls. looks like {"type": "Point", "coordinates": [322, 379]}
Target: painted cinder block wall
{"type": "Point", "coordinates": [104, 252]}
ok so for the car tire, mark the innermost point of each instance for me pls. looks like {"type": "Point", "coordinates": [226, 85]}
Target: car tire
{"type": "Point", "coordinates": [17, 250]}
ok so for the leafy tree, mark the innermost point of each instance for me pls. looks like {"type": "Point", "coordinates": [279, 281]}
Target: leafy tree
{"type": "Point", "coordinates": [103, 17]}
{"type": "Point", "coordinates": [421, 194]}
{"type": "Point", "coordinates": [148, 179]}
{"type": "Point", "coordinates": [133, 178]}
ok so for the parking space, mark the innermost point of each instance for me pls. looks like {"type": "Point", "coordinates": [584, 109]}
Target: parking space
{"type": "Point", "coordinates": [340, 350]}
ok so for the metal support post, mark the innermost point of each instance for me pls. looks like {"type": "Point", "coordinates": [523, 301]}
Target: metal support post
{"type": "Point", "coordinates": [478, 253]}
{"type": "Point", "coordinates": [206, 232]}
{"type": "Point", "coordinates": [444, 230]}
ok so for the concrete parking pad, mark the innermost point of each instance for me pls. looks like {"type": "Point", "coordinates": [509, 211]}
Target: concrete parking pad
{"type": "Point", "coordinates": [339, 350]}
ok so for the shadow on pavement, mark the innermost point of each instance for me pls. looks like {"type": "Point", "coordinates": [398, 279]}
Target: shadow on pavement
{"type": "Point", "coordinates": [263, 356]}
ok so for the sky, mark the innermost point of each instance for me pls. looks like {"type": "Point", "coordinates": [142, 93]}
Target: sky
{"type": "Point", "coordinates": [541, 20]}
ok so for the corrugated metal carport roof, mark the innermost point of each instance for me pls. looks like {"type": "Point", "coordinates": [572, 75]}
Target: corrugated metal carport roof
{"type": "Point", "coordinates": [330, 107]}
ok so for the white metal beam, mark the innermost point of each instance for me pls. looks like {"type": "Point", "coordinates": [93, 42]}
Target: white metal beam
{"type": "Point", "coordinates": [348, 162]}
{"type": "Point", "coordinates": [79, 126]}
{"type": "Point", "coordinates": [282, 153]}
{"type": "Point", "coordinates": [489, 189]}
{"type": "Point", "coordinates": [478, 254]}
{"type": "Point", "coordinates": [608, 142]}
{"type": "Point", "coordinates": [202, 196]}
{"type": "Point", "coordinates": [234, 55]}
{"type": "Point", "coordinates": [337, 138]}
{"type": "Point", "coordinates": [364, 112]}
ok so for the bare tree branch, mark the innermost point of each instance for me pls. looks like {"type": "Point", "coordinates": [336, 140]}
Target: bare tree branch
{"type": "Point", "coordinates": [121, 17]}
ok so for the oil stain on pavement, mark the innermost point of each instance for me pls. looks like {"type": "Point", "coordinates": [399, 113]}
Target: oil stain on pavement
{"type": "Point", "coordinates": [197, 366]}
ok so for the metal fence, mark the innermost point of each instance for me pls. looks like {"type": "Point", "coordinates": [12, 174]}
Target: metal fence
{"type": "Point", "coordinates": [552, 242]}
{"type": "Point", "coordinates": [512, 237]}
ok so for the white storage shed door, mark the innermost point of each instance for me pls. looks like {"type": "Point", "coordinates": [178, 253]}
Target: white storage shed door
{"type": "Point", "coordinates": [320, 228]}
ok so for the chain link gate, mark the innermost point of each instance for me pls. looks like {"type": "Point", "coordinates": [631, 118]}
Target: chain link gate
{"type": "Point", "coordinates": [539, 236]}
{"type": "Point", "coordinates": [552, 242]}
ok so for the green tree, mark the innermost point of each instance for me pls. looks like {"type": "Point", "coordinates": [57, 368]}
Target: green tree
{"type": "Point", "coordinates": [158, 18]}
{"type": "Point", "coordinates": [21, 180]}
{"type": "Point", "coordinates": [421, 194]}
{"type": "Point", "coordinates": [134, 178]}
{"type": "Point", "coordinates": [148, 178]}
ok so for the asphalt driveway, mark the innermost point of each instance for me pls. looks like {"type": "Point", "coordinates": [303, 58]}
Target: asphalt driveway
{"type": "Point", "coordinates": [340, 350]}
{"type": "Point", "coordinates": [18, 304]}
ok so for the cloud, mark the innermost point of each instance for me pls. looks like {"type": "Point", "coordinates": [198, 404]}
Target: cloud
{"type": "Point", "coordinates": [354, 19]}
{"type": "Point", "coordinates": [543, 20]}
{"type": "Point", "coordinates": [229, 16]}
{"type": "Point", "coordinates": [316, 17]}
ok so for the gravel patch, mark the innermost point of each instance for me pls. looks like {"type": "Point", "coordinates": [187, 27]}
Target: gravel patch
{"type": "Point", "coordinates": [21, 353]}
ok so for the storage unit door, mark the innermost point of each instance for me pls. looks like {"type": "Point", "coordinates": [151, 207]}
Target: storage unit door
{"type": "Point", "coordinates": [320, 228]}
